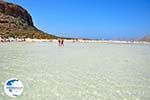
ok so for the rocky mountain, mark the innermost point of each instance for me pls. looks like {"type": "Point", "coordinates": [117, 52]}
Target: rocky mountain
{"type": "Point", "coordinates": [146, 38]}
{"type": "Point", "coordinates": [15, 21]}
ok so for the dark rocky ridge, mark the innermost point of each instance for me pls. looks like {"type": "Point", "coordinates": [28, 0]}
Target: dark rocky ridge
{"type": "Point", "coordinates": [15, 11]}
{"type": "Point", "coordinates": [15, 21]}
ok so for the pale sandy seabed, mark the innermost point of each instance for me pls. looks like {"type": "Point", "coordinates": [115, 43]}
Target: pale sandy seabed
{"type": "Point", "coordinates": [77, 71]}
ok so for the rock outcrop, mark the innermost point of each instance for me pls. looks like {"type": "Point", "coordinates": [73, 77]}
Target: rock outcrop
{"type": "Point", "coordinates": [146, 38]}
{"type": "Point", "coordinates": [15, 21]}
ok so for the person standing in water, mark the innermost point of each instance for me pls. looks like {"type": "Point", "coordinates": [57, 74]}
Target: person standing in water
{"type": "Point", "coordinates": [62, 42]}
{"type": "Point", "coordinates": [59, 42]}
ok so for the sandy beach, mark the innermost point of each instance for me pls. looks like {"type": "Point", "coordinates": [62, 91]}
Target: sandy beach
{"type": "Point", "coordinates": [77, 41]}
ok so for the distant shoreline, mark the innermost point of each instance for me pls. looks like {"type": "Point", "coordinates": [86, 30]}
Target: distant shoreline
{"type": "Point", "coordinates": [75, 41]}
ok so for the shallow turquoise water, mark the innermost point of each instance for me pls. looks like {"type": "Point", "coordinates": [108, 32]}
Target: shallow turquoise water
{"type": "Point", "coordinates": [77, 71]}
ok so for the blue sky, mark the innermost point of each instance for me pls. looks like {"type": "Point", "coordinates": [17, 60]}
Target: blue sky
{"type": "Point", "coordinates": [101, 19]}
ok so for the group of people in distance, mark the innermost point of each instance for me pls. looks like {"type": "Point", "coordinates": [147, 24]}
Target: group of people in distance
{"type": "Point", "coordinates": [60, 42]}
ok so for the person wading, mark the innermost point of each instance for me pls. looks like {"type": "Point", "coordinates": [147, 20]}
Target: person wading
{"type": "Point", "coordinates": [60, 42]}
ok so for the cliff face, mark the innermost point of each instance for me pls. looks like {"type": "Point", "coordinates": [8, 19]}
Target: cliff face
{"type": "Point", "coordinates": [15, 11]}
{"type": "Point", "coordinates": [17, 22]}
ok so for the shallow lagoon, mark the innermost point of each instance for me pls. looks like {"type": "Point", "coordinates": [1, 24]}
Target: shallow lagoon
{"type": "Point", "coordinates": [77, 71]}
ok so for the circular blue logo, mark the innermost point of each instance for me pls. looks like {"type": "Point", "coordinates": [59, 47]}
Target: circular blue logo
{"type": "Point", "coordinates": [13, 87]}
